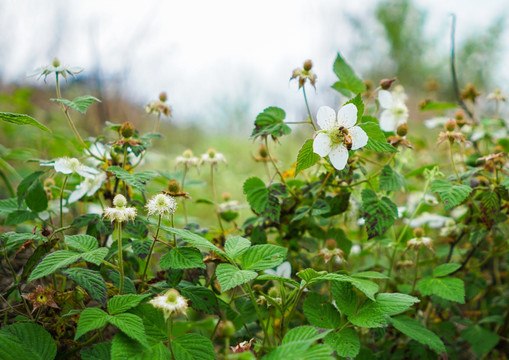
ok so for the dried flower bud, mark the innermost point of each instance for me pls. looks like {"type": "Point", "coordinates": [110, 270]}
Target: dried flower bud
{"type": "Point", "coordinates": [46, 232]}
{"type": "Point", "coordinates": [450, 125]}
{"type": "Point", "coordinates": [127, 130]}
{"type": "Point", "coordinates": [419, 232]}
{"type": "Point", "coordinates": [163, 97]}
{"type": "Point", "coordinates": [470, 92]}
{"type": "Point", "coordinates": [226, 329]}
{"type": "Point", "coordinates": [308, 64]}
{"type": "Point", "coordinates": [386, 83]}
{"type": "Point", "coordinates": [331, 244]}
{"type": "Point", "coordinates": [402, 130]}
{"type": "Point", "coordinates": [262, 151]}
{"type": "Point", "coordinates": [174, 186]}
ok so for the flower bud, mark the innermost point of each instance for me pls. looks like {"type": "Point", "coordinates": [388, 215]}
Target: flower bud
{"type": "Point", "coordinates": [402, 130]}
{"type": "Point", "coordinates": [174, 186]}
{"type": "Point", "coordinates": [273, 292]}
{"type": "Point", "coordinates": [46, 232]}
{"type": "Point", "coordinates": [262, 151]}
{"type": "Point", "coordinates": [450, 125]}
{"type": "Point", "coordinates": [386, 83]}
{"type": "Point", "coordinates": [226, 196]}
{"type": "Point", "coordinates": [188, 154]}
{"type": "Point", "coordinates": [119, 201]}
{"type": "Point", "coordinates": [56, 62]}
{"type": "Point", "coordinates": [226, 329]}
{"type": "Point", "coordinates": [127, 130]}
{"type": "Point", "coordinates": [163, 97]}
{"type": "Point", "coordinates": [419, 232]}
{"type": "Point", "coordinates": [331, 244]}
{"type": "Point", "coordinates": [211, 152]}
{"type": "Point", "coordinates": [308, 64]}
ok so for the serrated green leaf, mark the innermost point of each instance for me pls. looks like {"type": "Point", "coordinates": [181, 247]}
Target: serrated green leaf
{"type": "Point", "coordinates": [303, 334]}
{"type": "Point", "coordinates": [414, 330]}
{"type": "Point", "coordinates": [137, 180]}
{"type": "Point", "coordinates": [481, 339]}
{"type": "Point", "coordinates": [26, 341]}
{"type": "Point", "coordinates": [345, 297]}
{"type": "Point", "coordinates": [120, 303]}
{"type": "Point", "coordinates": [101, 351]}
{"type": "Point", "coordinates": [131, 325]}
{"type": "Point", "coordinates": [348, 82]}
{"type": "Point", "coordinates": [345, 342]}
{"type": "Point", "coordinates": [36, 198]}
{"type": "Point", "coordinates": [256, 193]}
{"type": "Point", "coordinates": [22, 119]}
{"type": "Point", "coordinates": [445, 269]}
{"type": "Point", "coordinates": [278, 278]}
{"type": "Point", "coordinates": [309, 274]}
{"type": "Point", "coordinates": [81, 242]}
{"type": "Point", "coordinates": [229, 276]}
{"type": "Point", "coordinates": [379, 214]}
{"type": "Point", "coordinates": [369, 315]}
{"type": "Point", "coordinates": [395, 303]}
{"type": "Point", "coordinates": [193, 347]}
{"type": "Point", "coordinates": [124, 348]}
{"type": "Point", "coordinates": [95, 256]}
{"type": "Point", "coordinates": [369, 288]}
{"type": "Point", "coordinates": [490, 207]}
{"type": "Point", "coordinates": [19, 216]}
{"type": "Point", "coordinates": [306, 157]}
{"type": "Point", "coordinates": [448, 288]}
{"type": "Point", "coordinates": [53, 262]}
{"type": "Point", "coordinates": [263, 257]}
{"type": "Point", "coordinates": [320, 312]}
{"type": "Point", "coordinates": [290, 351]}
{"type": "Point", "coordinates": [376, 138]}
{"type": "Point", "coordinates": [91, 281]}
{"type": "Point", "coordinates": [370, 275]}
{"type": "Point", "coordinates": [270, 122]}
{"type": "Point", "coordinates": [80, 103]}
{"type": "Point", "coordinates": [391, 180]}
{"type": "Point", "coordinates": [8, 205]}
{"type": "Point", "coordinates": [200, 298]}
{"type": "Point", "coordinates": [193, 239]}
{"type": "Point", "coordinates": [451, 195]}
{"type": "Point", "coordinates": [184, 257]}
{"type": "Point", "coordinates": [90, 319]}
{"type": "Point", "coordinates": [236, 246]}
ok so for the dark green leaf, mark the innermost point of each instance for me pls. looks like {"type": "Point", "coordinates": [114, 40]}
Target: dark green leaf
{"type": "Point", "coordinates": [451, 195]}
{"type": "Point", "coordinates": [271, 123]}
{"type": "Point", "coordinates": [376, 138]}
{"type": "Point", "coordinates": [184, 257]}
{"type": "Point", "coordinates": [137, 180]}
{"type": "Point", "coordinates": [320, 312]}
{"type": "Point", "coordinates": [91, 281]}
{"type": "Point", "coordinates": [378, 214]}
{"type": "Point", "coordinates": [413, 329]}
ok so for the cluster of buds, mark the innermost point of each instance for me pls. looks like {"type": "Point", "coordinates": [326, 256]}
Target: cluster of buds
{"type": "Point", "coordinates": [451, 134]}
{"type": "Point", "coordinates": [420, 240]}
{"type": "Point", "coordinates": [304, 74]}
{"type": "Point", "coordinates": [159, 107]}
{"type": "Point", "coordinates": [330, 251]}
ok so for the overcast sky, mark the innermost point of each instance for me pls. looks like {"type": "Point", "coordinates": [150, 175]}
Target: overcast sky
{"type": "Point", "coordinates": [205, 53]}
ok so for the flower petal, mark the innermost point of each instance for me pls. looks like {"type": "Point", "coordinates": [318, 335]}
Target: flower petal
{"type": "Point", "coordinates": [347, 116]}
{"type": "Point", "coordinates": [61, 166]}
{"type": "Point", "coordinates": [79, 192]}
{"type": "Point", "coordinates": [359, 137]}
{"type": "Point", "coordinates": [285, 270]}
{"type": "Point", "coordinates": [385, 99]}
{"type": "Point", "coordinates": [387, 121]}
{"type": "Point", "coordinates": [322, 145]}
{"type": "Point", "coordinates": [339, 156]}
{"type": "Point", "coordinates": [326, 118]}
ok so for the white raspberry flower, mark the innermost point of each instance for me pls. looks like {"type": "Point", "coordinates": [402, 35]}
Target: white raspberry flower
{"type": "Point", "coordinates": [339, 134]}
{"type": "Point", "coordinates": [395, 111]}
{"type": "Point", "coordinates": [87, 188]}
{"type": "Point", "coordinates": [120, 213]}
{"type": "Point", "coordinates": [212, 157]}
{"type": "Point", "coordinates": [418, 242]}
{"type": "Point", "coordinates": [171, 302]}
{"type": "Point", "coordinates": [187, 159]}
{"type": "Point", "coordinates": [161, 204]}
{"type": "Point", "coordinates": [66, 165]}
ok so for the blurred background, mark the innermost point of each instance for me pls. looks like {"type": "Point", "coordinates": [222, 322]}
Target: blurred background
{"type": "Point", "coordinates": [222, 62]}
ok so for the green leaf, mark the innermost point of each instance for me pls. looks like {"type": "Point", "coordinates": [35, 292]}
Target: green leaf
{"type": "Point", "coordinates": [184, 257]}
{"type": "Point", "coordinates": [395, 303]}
{"type": "Point", "coordinates": [53, 262]}
{"type": "Point", "coordinates": [490, 207]}
{"type": "Point", "coordinates": [306, 157]}
{"type": "Point", "coordinates": [345, 297]}
{"type": "Point", "coordinates": [278, 278]}
{"type": "Point", "coordinates": [376, 138]}
{"type": "Point", "coordinates": [25, 184]}
{"type": "Point", "coordinates": [236, 246]}
{"type": "Point", "coordinates": [414, 330]}
{"type": "Point", "coordinates": [137, 180]}
{"type": "Point", "coordinates": [200, 298]}
{"type": "Point", "coordinates": [91, 281]}
{"type": "Point", "coordinates": [263, 257]}
{"type": "Point", "coordinates": [448, 288]}
{"type": "Point", "coordinates": [378, 214]}
{"type": "Point", "coordinates": [270, 122]}
{"type": "Point", "coordinates": [193, 239]}
{"type": "Point", "coordinates": [120, 303]}
{"type": "Point", "coordinates": [348, 82]}
{"type": "Point", "coordinates": [451, 195]}
{"type": "Point", "coordinates": [82, 242]}
{"type": "Point", "coordinates": [229, 276]}
{"type": "Point", "coordinates": [22, 119]}
{"type": "Point", "coordinates": [309, 274]}
{"type": "Point", "coordinates": [345, 342]}
{"type": "Point", "coordinates": [90, 319]}
{"type": "Point", "coordinates": [26, 341]}
{"type": "Point", "coordinates": [101, 351]}
{"type": "Point", "coordinates": [303, 335]}
{"type": "Point", "coordinates": [8, 205]}
{"type": "Point", "coordinates": [481, 339]}
{"type": "Point", "coordinates": [370, 275]}
{"type": "Point", "coordinates": [19, 216]}
{"type": "Point", "coordinates": [95, 256]}
{"type": "Point", "coordinates": [369, 288]}
{"type": "Point", "coordinates": [435, 105]}
{"type": "Point", "coordinates": [320, 312]}
{"type": "Point", "coordinates": [369, 316]}
{"type": "Point", "coordinates": [124, 348]}
{"type": "Point", "coordinates": [193, 347]}
{"type": "Point", "coordinates": [445, 269]}
{"type": "Point", "coordinates": [131, 325]}
{"type": "Point", "coordinates": [391, 180]}
{"type": "Point", "coordinates": [80, 103]}
{"type": "Point", "coordinates": [256, 193]}
{"type": "Point", "coordinates": [291, 351]}
{"type": "Point", "coordinates": [36, 198]}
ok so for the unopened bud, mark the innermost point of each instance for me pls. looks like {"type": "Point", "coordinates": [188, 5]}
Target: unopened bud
{"type": "Point", "coordinates": [331, 244]}
{"type": "Point", "coordinates": [226, 329]}
{"type": "Point", "coordinates": [188, 154]}
{"type": "Point", "coordinates": [386, 83]}
{"type": "Point", "coordinates": [163, 97]}
{"type": "Point", "coordinates": [273, 292]}
{"type": "Point", "coordinates": [226, 196]}
{"type": "Point", "coordinates": [46, 232]}
{"type": "Point", "coordinates": [211, 152]}
{"type": "Point", "coordinates": [308, 64]}
{"type": "Point", "coordinates": [174, 186]}
{"type": "Point", "coordinates": [127, 130]}
{"type": "Point", "coordinates": [56, 62]}
{"type": "Point", "coordinates": [450, 125]}
{"type": "Point", "coordinates": [402, 130]}
{"type": "Point", "coordinates": [419, 232]}
{"type": "Point", "coordinates": [262, 151]}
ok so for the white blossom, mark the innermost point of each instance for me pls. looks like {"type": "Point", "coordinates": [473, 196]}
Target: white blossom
{"type": "Point", "coordinates": [284, 270]}
{"type": "Point", "coordinates": [171, 302]}
{"type": "Point", "coordinates": [418, 242]}
{"type": "Point", "coordinates": [395, 111]}
{"type": "Point", "coordinates": [338, 134]}
{"type": "Point", "coordinates": [87, 188]}
{"type": "Point", "coordinates": [66, 165]}
{"type": "Point", "coordinates": [120, 213]}
{"type": "Point", "coordinates": [434, 221]}
{"type": "Point", "coordinates": [161, 204]}
{"type": "Point", "coordinates": [212, 157]}
{"type": "Point", "coordinates": [187, 159]}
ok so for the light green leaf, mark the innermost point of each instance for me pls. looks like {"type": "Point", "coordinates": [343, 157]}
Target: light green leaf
{"type": "Point", "coordinates": [229, 276]}
{"type": "Point", "coordinates": [345, 297]}
{"type": "Point", "coordinates": [345, 342]}
{"type": "Point", "coordinates": [91, 281]}
{"type": "Point", "coordinates": [451, 195]}
{"type": "Point", "coordinates": [95, 256]}
{"type": "Point", "coordinates": [137, 180]}
{"type": "Point", "coordinates": [306, 157]}
{"type": "Point", "coordinates": [26, 341]}
{"type": "Point", "coordinates": [445, 269]}
{"type": "Point", "coordinates": [379, 214]}
{"type": "Point", "coordinates": [193, 347]}
{"type": "Point", "coordinates": [263, 257]}
{"type": "Point", "coordinates": [369, 316]}
{"type": "Point", "coordinates": [394, 303]}
{"type": "Point", "coordinates": [348, 82]}
{"type": "Point", "coordinates": [320, 312]}
{"type": "Point", "coordinates": [22, 119]}
{"type": "Point", "coordinates": [291, 351]}
{"type": "Point", "coordinates": [448, 288]}
{"type": "Point", "coordinates": [270, 122]}
{"type": "Point", "coordinates": [120, 303]}
{"type": "Point", "coordinates": [131, 325]}
{"type": "Point", "coordinates": [414, 330]}
{"type": "Point", "coordinates": [278, 278]}
{"type": "Point", "coordinates": [309, 274]}
{"type": "Point", "coordinates": [481, 339]}
{"type": "Point", "coordinates": [370, 275]}
{"type": "Point", "coordinates": [90, 319]}
{"type": "Point", "coordinates": [303, 334]}
{"type": "Point", "coordinates": [256, 193]}
{"type": "Point", "coordinates": [369, 288]}
{"type": "Point", "coordinates": [236, 246]}
{"type": "Point", "coordinates": [184, 257]}
{"type": "Point", "coordinates": [376, 138]}
{"type": "Point", "coordinates": [82, 242]}
{"type": "Point", "coordinates": [80, 103]}
{"type": "Point", "coordinates": [53, 262]}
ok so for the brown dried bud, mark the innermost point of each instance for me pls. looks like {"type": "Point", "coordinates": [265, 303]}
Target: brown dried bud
{"type": "Point", "coordinates": [46, 232]}
{"type": "Point", "coordinates": [450, 125]}
{"type": "Point", "coordinates": [386, 83]}
{"type": "Point", "coordinates": [419, 232]}
{"type": "Point", "coordinates": [470, 92]}
{"type": "Point", "coordinates": [402, 130]}
{"type": "Point", "coordinates": [308, 64]}
{"type": "Point", "coordinates": [127, 130]}
{"type": "Point", "coordinates": [331, 244]}
{"type": "Point", "coordinates": [163, 97]}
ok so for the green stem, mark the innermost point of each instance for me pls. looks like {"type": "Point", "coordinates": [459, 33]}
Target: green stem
{"type": "Point", "coordinates": [453, 163]}
{"type": "Point", "coordinates": [307, 107]}
{"type": "Point", "coordinates": [156, 124]}
{"type": "Point", "coordinates": [292, 310]}
{"type": "Point", "coordinates": [259, 314]}
{"type": "Point", "coordinates": [150, 254]}
{"type": "Point", "coordinates": [275, 167]}
{"type": "Point", "coordinates": [62, 201]}
{"type": "Point", "coordinates": [182, 184]}
{"type": "Point", "coordinates": [124, 164]}
{"type": "Point", "coordinates": [174, 236]}
{"type": "Point", "coordinates": [416, 272]}
{"type": "Point", "coordinates": [170, 325]}
{"type": "Point", "coordinates": [120, 259]}
{"type": "Point", "coordinates": [214, 197]}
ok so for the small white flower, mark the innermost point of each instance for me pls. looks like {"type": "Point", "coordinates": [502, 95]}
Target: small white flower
{"type": "Point", "coordinates": [355, 250]}
{"type": "Point", "coordinates": [419, 242]}
{"type": "Point", "coordinates": [284, 270]}
{"type": "Point", "coordinates": [436, 122]}
{"type": "Point", "coordinates": [87, 188]}
{"type": "Point", "coordinates": [120, 213]}
{"type": "Point", "coordinates": [212, 157]}
{"type": "Point", "coordinates": [161, 204]}
{"type": "Point", "coordinates": [434, 221]}
{"type": "Point", "coordinates": [395, 111]}
{"type": "Point", "coordinates": [55, 67]}
{"type": "Point", "coordinates": [171, 302]}
{"type": "Point", "coordinates": [232, 205]}
{"type": "Point", "coordinates": [187, 159]}
{"type": "Point", "coordinates": [338, 135]}
{"type": "Point", "coordinates": [66, 165]}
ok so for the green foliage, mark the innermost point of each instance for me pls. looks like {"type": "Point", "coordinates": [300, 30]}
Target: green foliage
{"type": "Point", "coordinates": [481, 339]}
{"type": "Point", "coordinates": [345, 342]}
{"type": "Point", "coordinates": [376, 138]}
{"type": "Point", "coordinates": [193, 347]}
{"type": "Point", "coordinates": [270, 122]}
{"type": "Point", "coordinates": [137, 180]}
{"type": "Point", "coordinates": [414, 330]}
{"type": "Point", "coordinates": [182, 258]}
{"type": "Point", "coordinates": [379, 214]}
{"type": "Point", "coordinates": [451, 195]}
{"type": "Point", "coordinates": [26, 341]}
{"type": "Point", "coordinates": [236, 246]}
{"type": "Point", "coordinates": [321, 313]}
{"type": "Point", "coordinates": [306, 157]}
{"type": "Point", "coordinates": [448, 288]}
{"type": "Point", "coordinates": [90, 319]}
{"type": "Point", "coordinates": [230, 276]}
{"type": "Point", "coordinates": [391, 180]}
{"type": "Point", "coordinates": [53, 262]}
{"type": "Point", "coordinates": [80, 103]}
{"type": "Point", "coordinates": [348, 82]}
{"type": "Point", "coordinates": [263, 257]}
{"type": "Point", "coordinates": [91, 281]}
{"type": "Point", "coordinates": [121, 303]}
{"type": "Point", "coordinates": [256, 193]}
{"type": "Point", "coordinates": [22, 119]}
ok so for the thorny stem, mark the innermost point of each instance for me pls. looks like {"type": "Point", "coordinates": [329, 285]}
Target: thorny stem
{"type": "Point", "coordinates": [120, 259]}
{"type": "Point", "coordinates": [307, 107]}
{"type": "Point", "coordinates": [150, 254]}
